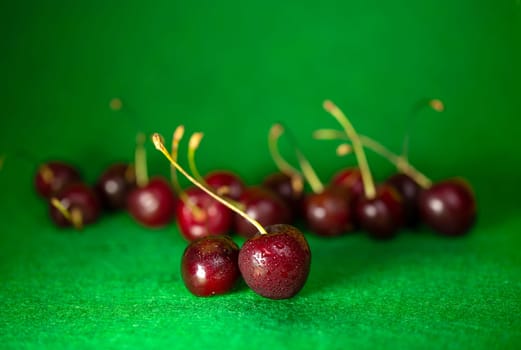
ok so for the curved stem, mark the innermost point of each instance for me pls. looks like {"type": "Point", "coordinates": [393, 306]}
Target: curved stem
{"type": "Point", "coordinates": [74, 217]}
{"type": "Point", "coordinates": [141, 161]}
{"type": "Point", "coordinates": [193, 145]}
{"type": "Point", "coordinates": [158, 143]}
{"type": "Point", "coordinates": [401, 164]}
{"type": "Point", "coordinates": [274, 135]}
{"type": "Point", "coordinates": [358, 148]}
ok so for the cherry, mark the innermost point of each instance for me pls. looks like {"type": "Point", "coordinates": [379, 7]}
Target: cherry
{"type": "Point", "coordinates": [449, 207]}
{"type": "Point", "coordinates": [276, 264]}
{"type": "Point", "coordinates": [53, 176]}
{"type": "Point", "coordinates": [263, 206]}
{"type": "Point", "coordinates": [351, 179]}
{"type": "Point", "coordinates": [199, 215]}
{"type": "Point", "coordinates": [283, 185]}
{"type": "Point", "coordinates": [382, 215]}
{"type": "Point", "coordinates": [75, 205]}
{"type": "Point", "coordinates": [114, 185]}
{"type": "Point", "coordinates": [210, 266]}
{"type": "Point", "coordinates": [409, 190]}
{"type": "Point", "coordinates": [378, 212]}
{"type": "Point", "coordinates": [225, 183]}
{"type": "Point", "coordinates": [151, 203]}
{"type": "Point", "coordinates": [329, 213]}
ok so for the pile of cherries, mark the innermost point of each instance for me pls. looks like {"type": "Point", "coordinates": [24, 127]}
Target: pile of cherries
{"type": "Point", "coordinates": [275, 259]}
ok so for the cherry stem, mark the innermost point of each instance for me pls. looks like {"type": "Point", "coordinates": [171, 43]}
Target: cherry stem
{"type": "Point", "coordinates": [193, 145]}
{"type": "Point", "coordinates": [176, 138]}
{"type": "Point", "coordinates": [158, 143]}
{"type": "Point", "coordinates": [73, 217]}
{"type": "Point", "coordinates": [399, 161]}
{"type": "Point", "coordinates": [435, 104]}
{"type": "Point", "coordinates": [367, 179]}
{"type": "Point", "coordinates": [274, 135]}
{"type": "Point", "coordinates": [141, 161]}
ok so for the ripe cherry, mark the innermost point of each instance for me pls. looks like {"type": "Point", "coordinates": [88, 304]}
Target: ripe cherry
{"type": "Point", "coordinates": [199, 215]}
{"type": "Point", "coordinates": [114, 185]}
{"type": "Point", "coordinates": [284, 186]}
{"type": "Point", "coordinates": [53, 176]}
{"type": "Point", "coordinates": [409, 191]}
{"type": "Point", "coordinates": [351, 179]}
{"type": "Point", "coordinates": [378, 212]}
{"type": "Point", "coordinates": [382, 215]}
{"type": "Point", "coordinates": [448, 207]}
{"type": "Point", "coordinates": [75, 205]}
{"type": "Point", "coordinates": [225, 183]}
{"type": "Point", "coordinates": [210, 266]}
{"type": "Point", "coordinates": [276, 263]}
{"type": "Point", "coordinates": [263, 206]}
{"type": "Point", "coordinates": [329, 213]}
{"type": "Point", "coordinates": [151, 203]}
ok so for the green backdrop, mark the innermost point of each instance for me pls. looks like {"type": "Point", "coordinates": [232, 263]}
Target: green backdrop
{"type": "Point", "coordinates": [231, 69]}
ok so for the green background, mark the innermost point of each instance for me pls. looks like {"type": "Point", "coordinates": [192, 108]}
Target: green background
{"type": "Point", "coordinates": [231, 69]}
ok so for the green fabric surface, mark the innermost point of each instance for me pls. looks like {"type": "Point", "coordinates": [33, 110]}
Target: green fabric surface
{"type": "Point", "coordinates": [231, 69]}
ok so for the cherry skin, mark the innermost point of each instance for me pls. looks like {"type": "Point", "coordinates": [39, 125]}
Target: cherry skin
{"type": "Point", "coordinates": [262, 205]}
{"type": "Point", "coordinates": [448, 207]}
{"type": "Point", "coordinates": [219, 180]}
{"type": "Point", "coordinates": [208, 218]}
{"type": "Point", "coordinates": [76, 197]}
{"type": "Point", "coordinates": [114, 185]}
{"type": "Point", "coordinates": [152, 205]}
{"type": "Point", "coordinates": [410, 191]}
{"type": "Point", "coordinates": [329, 213]}
{"type": "Point", "coordinates": [209, 266]}
{"type": "Point", "coordinates": [281, 184]}
{"type": "Point", "coordinates": [351, 179]}
{"type": "Point", "coordinates": [381, 216]}
{"type": "Point", "coordinates": [52, 177]}
{"type": "Point", "coordinates": [276, 265]}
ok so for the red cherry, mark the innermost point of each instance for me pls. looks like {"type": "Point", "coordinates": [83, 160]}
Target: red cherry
{"type": "Point", "coordinates": [198, 215]}
{"type": "Point", "coordinates": [209, 266]}
{"type": "Point", "coordinates": [448, 207]}
{"type": "Point", "coordinates": [81, 203]}
{"type": "Point", "coordinates": [263, 206]}
{"type": "Point", "coordinates": [276, 265]}
{"type": "Point", "coordinates": [52, 177]}
{"type": "Point", "coordinates": [282, 185]}
{"type": "Point", "coordinates": [232, 185]}
{"type": "Point", "coordinates": [381, 216]}
{"type": "Point", "coordinates": [351, 179]}
{"type": "Point", "coordinates": [409, 190]}
{"type": "Point", "coordinates": [329, 213]}
{"type": "Point", "coordinates": [114, 185]}
{"type": "Point", "coordinates": [153, 204]}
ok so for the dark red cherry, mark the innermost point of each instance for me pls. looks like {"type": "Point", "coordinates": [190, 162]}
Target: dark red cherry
{"type": "Point", "coordinates": [329, 213]}
{"type": "Point", "coordinates": [115, 184]}
{"type": "Point", "coordinates": [282, 185]}
{"type": "Point", "coordinates": [199, 215]}
{"type": "Point", "coordinates": [261, 205]}
{"type": "Point", "coordinates": [381, 216]}
{"type": "Point", "coordinates": [209, 266]}
{"type": "Point", "coordinates": [409, 191]}
{"type": "Point", "coordinates": [52, 177]}
{"type": "Point", "coordinates": [351, 179]}
{"type": "Point", "coordinates": [276, 265]}
{"type": "Point", "coordinates": [152, 205]}
{"type": "Point", "coordinates": [448, 207]}
{"type": "Point", "coordinates": [80, 201]}
{"type": "Point", "coordinates": [225, 183]}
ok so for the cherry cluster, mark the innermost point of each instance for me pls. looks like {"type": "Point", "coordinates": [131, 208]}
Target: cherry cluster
{"type": "Point", "coordinates": [275, 259]}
